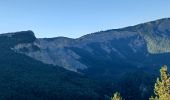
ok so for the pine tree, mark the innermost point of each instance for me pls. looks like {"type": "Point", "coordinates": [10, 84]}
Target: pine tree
{"type": "Point", "coordinates": [162, 86]}
{"type": "Point", "coordinates": [116, 96]}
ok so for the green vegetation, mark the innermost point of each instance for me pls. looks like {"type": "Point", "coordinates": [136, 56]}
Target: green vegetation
{"type": "Point", "coordinates": [116, 96]}
{"type": "Point", "coordinates": [161, 90]}
{"type": "Point", "coordinates": [162, 86]}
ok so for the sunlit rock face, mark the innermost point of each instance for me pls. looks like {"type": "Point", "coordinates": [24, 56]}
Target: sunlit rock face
{"type": "Point", "coordinates": [157, 44]}
{"type": "Point", "coordinates": [156, 35]}
{"type": "Point", "coordinates": [74, 54]}
{"type": "Point", "coordinates": [52, 52]}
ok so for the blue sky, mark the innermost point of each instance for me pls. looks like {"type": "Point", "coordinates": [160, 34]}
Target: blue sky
{"type": "Point", "coordinates": [74, 18]}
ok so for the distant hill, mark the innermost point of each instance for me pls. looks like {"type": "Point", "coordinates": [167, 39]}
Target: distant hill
{"type": "Point", "coordinates": [90, 67]}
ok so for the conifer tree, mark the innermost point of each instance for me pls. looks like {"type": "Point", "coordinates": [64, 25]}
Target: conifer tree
{"type": "Point", "coordinates": [162, 86]}
{"type": "Point", "coordinates": [116, 96]}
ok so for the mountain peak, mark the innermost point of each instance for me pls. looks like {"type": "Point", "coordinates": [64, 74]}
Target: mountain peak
{"type": "Point", "coordinates": [11, 34]}
{"type": "Point", "coordinates": [19, 37]}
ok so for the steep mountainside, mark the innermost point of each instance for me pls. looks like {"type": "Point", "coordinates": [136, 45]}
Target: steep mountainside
{"type": "Point", "coordinates": [23, 78]}
{"type": "Point", "coordinates": [142, 41]}
{"type": "Point", "coordinates": [114, 59]}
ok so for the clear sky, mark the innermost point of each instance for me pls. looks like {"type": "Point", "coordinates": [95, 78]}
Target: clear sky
{"type": "Point", "coordinates": [74, 18]}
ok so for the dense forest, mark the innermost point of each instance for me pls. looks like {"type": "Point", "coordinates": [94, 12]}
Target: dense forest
{"type": "Point", "coordinates": [161, 90]}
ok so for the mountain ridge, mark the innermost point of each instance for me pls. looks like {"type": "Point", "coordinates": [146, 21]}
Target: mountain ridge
{"type": "Point", "coordinates": [104, 59]}
{"type": "Point", "coordinates": [108, 30]}
{"type": "Point", "coordinates": [152, 36]}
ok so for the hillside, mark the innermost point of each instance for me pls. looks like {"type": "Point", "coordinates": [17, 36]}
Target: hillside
{"type": "Point", "coordinates": [90, 67]}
